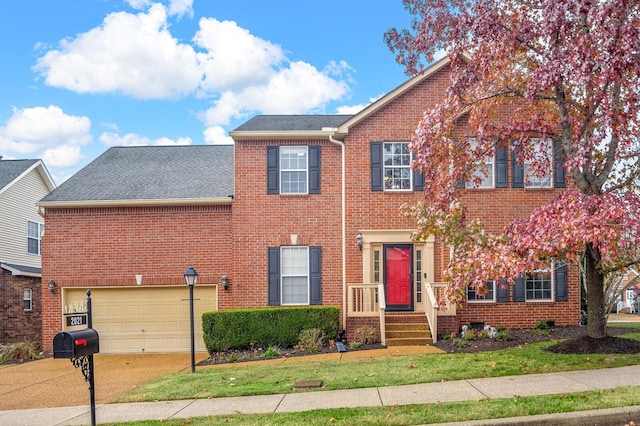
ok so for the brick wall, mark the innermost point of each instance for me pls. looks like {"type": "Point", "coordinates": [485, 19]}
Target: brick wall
{"type": "Point", "coordinates": [109, 246]}
{"type": "Point", "coordinates": [16, 324]}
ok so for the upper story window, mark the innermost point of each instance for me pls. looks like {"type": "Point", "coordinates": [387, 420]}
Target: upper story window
{"type": "Point", "coordinates": [549, 174]}
{"type": "Point", "coordinates": [293, 170]}
{"type": "Point", "coordinates": [397, 166]}
{"type": "Point", "coordinates": [539, 180]}
{"type": "Point", "coordinates": [475, 296]}
{"type": "Point", "coordinates": [482, 175]}
{"type": "Point", "coordinates": [391, 168]}
{"type": "Point", "coordinates": [34, 237]}
{"type": "Point", "coordinates": [27, 301]}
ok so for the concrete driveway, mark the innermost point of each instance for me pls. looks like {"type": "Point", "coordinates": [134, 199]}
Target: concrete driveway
{"type": "Point", "coordinates": [57, 383]}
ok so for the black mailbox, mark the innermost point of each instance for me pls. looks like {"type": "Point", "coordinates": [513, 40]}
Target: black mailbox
{"type": "Point", "coordinates": [75, 343]}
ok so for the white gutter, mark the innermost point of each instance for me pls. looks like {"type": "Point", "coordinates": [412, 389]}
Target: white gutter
{"type": "Point", "coordinates": [344, 240]}
{"type": "Point", "coordinates": [136, 202]}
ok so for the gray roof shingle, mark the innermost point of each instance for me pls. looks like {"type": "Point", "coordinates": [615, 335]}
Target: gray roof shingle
{"type": "Point", "coordinates": [277, 123]}
{"type": "Point", "coordinates": [152, 173]}
{"type": "Point", "coordinates": [11, 169]}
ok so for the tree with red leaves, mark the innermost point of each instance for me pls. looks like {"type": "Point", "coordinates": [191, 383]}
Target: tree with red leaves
{"type": "Point", "coordinates": [566, 71]}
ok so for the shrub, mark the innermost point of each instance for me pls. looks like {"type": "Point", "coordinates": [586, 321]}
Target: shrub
{"type": "Point", "coordinates": [542, 325]}
{"type": "Point", "coordinates": [311, 340]}
{"type": "Point", "coordinates": [20, 351]}
{"type": "Point", "coordinates": [280, 327]}
{"type": "Point", "coordinates": [503, 335]}
{"type": "Point", "coordinates": [366, 335]}
{"type": "Point", "coordinates": [354, 345]}
{"type": "Point", "coordinates": [271, 352]}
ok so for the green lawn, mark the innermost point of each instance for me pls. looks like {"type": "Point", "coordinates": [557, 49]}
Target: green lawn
{"type": "Point", "coordinates": [247, 379]}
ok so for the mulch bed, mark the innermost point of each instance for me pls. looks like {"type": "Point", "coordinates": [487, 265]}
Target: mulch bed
{"type": "Point", "coordinates": [570, 340]}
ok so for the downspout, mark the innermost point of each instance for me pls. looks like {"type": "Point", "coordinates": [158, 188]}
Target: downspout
{"type": "Point", "coordinates": [344, 240]}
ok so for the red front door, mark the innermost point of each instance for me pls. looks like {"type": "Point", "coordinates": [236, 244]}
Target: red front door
{"type": "Point", "coordinates": [398, 277]}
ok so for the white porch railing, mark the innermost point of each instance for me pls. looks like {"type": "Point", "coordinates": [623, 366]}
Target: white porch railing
{"type": "Point", "coordinates": [363, 300]}
{"type": "Point", "coordinates": [368, 300]}
{"type": "Point", "coordinates": [383, 308]}
{"type": "Point", "coordinates": [625, 304]}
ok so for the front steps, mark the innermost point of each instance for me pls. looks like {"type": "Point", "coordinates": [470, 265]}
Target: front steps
{"type": "Point", "coordinates": [407, 329]}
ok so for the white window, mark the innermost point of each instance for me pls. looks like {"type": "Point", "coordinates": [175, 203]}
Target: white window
{"type": "Point", "coordinates": [482, 175]}
{"type": "Point", "coordinates": [540, 178]}
{"type": "Point", "coordinates": [27, 303]}
{"type": "Point", "coordinates": [396, 159]}
{"type": "Point", "coordinates": [538, 285]}
{"type": "Point", "coordinates": [34, 236]}
{"type": "Point", "coordinates": [295, 275]}
{"type": "Point", "coordinates": [294, 169]}
{"type": "Point", "coordinates": [475, 296]}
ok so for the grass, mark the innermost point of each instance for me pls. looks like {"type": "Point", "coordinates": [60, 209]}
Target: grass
{"type": "Point", "coordinates": [424, 413]}
{"type": "Point", "coordinates": [241, 380]}
{"type": "Point", "coordinates": [247, 379]}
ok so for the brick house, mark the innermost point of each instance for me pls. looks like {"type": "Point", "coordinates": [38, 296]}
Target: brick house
{"type": "Point", "coordinates": [22, 184]}
{"type": "Point", "coordinates": [312, 217]}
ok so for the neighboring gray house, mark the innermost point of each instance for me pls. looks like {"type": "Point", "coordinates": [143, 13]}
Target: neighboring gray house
{"type": "Point", "coordinates": [22, 183]}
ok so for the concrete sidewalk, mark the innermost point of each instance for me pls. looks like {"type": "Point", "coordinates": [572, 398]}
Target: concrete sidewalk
{"type": "Point", "coordinates": [461, 390]}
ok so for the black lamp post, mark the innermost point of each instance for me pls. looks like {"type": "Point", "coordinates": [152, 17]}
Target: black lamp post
{"type": "Point", "coordinates": [191, 278]}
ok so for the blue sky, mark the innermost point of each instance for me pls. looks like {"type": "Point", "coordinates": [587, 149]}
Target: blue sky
{"type": "Point", "coordinates": [79, 76]}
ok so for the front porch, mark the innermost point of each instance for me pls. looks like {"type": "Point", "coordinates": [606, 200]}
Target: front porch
{"type": "Point", "coordinates": [400, 328]}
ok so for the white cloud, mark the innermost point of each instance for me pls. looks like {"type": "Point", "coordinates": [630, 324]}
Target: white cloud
{"type": "Point", "coordinates": [299, 89]}
{"type": "Point", "coordinates": [354, 109]}
{"type": "Point", "coordinates": [234, 58]}
{"type": "Point", "coordinates": [135, 55]}
{"type": "Point", "coordinates": [132, 139]}
{"type": "Point", "coordinates": [177, 8]}
{"type": "Point", "coordinates": [30, 131]}
{"type": "Point", "coordinates": [217, 135]}
{"type": "Point", "coordinates": [62, 156]}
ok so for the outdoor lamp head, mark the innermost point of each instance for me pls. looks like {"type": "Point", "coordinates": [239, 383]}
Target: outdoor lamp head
{"type": "Point", "coordinates": [191, 276]}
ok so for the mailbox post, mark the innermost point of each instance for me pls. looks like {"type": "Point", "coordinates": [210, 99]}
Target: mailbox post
{"type": "Point", "coordinates": [79, 346]}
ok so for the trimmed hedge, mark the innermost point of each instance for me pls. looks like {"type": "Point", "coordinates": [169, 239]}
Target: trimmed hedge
{"type": "Point", "coordinates": [243, 329]}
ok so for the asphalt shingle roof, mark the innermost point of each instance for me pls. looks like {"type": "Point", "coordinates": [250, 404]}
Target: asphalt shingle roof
{"type": "Point", "coordinates": [11, 169]}
{"type": "Point", "coordinates": [277, 123]}
{"type": "Point", "coordinates": [152, 173]}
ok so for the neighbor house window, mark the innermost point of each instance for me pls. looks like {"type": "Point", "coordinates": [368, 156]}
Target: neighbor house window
{"type": "Point", "coordinates": [293, 170]}
{"type": "Point", "coordinates": [476, 296]}
{"type": "Point", "coordinates": [538, 285]}
{"type": "Point", "coordinates": [543, 148]}
{"type": "Point", "coordinates": [34, 236]}
{"type": "Point", "coordinates": [27, 302]}
{"type": "Point", "coordinates": [397, 166]}
{"type": "Point", "coordinates": [482, 175]}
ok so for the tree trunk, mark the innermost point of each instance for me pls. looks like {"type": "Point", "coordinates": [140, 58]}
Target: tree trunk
{"type": "Point", "coordinates": [596, 318]}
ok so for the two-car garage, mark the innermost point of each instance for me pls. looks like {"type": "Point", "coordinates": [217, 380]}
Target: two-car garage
{"type": "Point", "coordinates": [145, 319]}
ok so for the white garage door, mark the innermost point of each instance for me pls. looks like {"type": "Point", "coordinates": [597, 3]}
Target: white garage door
{"type": "Point", "coordinates": [145, 319]}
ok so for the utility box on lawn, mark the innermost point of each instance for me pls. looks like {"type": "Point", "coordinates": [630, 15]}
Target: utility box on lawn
{"type": "Point", "coordinates": [76, 343]}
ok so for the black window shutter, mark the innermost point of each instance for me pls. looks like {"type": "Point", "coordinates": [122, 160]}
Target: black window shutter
{"type": "Point", "coordinates": [517, 171]}
{"type": "Point", "coordinates": [501, 167]}
{"type": "Point", "coordinates": [314, 170]}
{"type": "Point", "coordinates": [315, 275]}
{"type": "Point", "coordinates": [519, 290]}
{"type": "Point", "coordinates": [560, 275]}
{"type": "Point", "coordinates": [502, 291]}
{"type": "Point", "coordinates": [377, 180]}
{"type": "Point", "coordinates": [274, 276]}
{"type": "Point", "coordinates": [417, 176]}
{"type": "Point", "coordinates": [558, 165]}
{"type": "Point", "coordinates": [272, 170]}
